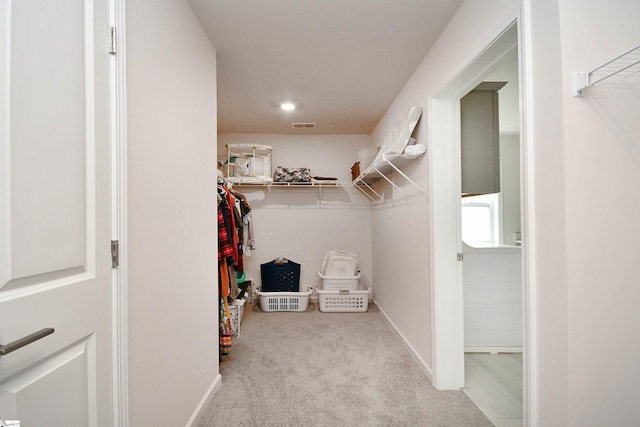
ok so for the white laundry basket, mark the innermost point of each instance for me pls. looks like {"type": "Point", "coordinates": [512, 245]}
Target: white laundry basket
{"type": "Point", "coordinates": [339, 271]}
{"type": "Point", "coordinates": [356, 300]}
{"type": "Point", "coordinates": [283, 301]}
{"type": "Point", "coordinates": [236, 309]}
{"type": "Point", "coordinates": [339, 263]}
{"type": "Point", "coordinates": [339, 283]}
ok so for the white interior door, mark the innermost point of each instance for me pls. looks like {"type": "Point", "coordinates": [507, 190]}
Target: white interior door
{"type": "Point", "coordinates": [55, 210]}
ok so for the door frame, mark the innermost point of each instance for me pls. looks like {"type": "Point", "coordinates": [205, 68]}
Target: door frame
{"type": "Point", "coordinates": [119, 322]}
{"type": "Point", "coordinates": [445, 189]}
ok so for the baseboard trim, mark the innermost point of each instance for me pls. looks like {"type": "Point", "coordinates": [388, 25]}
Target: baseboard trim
{"type": "Point", "coordinates": [421, 362]}
{"type": "Point", "coordinates": [493, 350]}
{"type": "Point", "coordinates": [213, 389]}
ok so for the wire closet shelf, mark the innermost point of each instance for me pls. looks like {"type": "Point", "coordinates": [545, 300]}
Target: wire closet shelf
{"type": "Point", "coordinates": [623, 66]}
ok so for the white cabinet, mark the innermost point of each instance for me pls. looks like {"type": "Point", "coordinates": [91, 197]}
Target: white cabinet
{"type": "Point", "coordinates": [492, 298]}
{"type": "Point", "coordinates": [480, 139]}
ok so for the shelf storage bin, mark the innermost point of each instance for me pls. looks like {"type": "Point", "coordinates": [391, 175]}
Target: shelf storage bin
{"type": "Point", "coordinates": [283, 301]}
{"type": "Point", "coordinates": [280, 275]}
{"type": "Point", "coordinates": [344, 300]}
{"type": "Point", "coordinates": [248, 163]}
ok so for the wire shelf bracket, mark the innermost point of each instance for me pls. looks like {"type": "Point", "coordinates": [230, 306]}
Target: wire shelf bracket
{"type": "Point", "coordinates": [374, 173]}
{"type": "Point", "coordinates": [624, 66]}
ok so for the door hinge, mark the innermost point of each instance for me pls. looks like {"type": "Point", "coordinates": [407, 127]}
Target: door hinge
{"type": "Point", "coordinates": [460, 256]}
{"type": "Point", "coordinates": [115, 253]}
{"type": "Point", "coordinates": [113, 40]}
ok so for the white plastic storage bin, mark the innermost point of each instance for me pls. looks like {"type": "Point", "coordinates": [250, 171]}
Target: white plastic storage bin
{"type": "Point", "coordinates": [338, 283]}
{"type": "Point", "coordinates": [284, 301]}
{"type": "Point", "coordinates": [339, 271]}
{"type": "Point", "coordinates": [344, 300]}
{"type": "Point", "coordinates": [339, 263]}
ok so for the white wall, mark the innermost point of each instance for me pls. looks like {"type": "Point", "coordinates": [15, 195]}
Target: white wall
{"type": "Point", "coordinates": [509, 106]}
{"type": "Point", "coordinates": [510, 187]}
{"type": "Point", "coordinates": [294, 225]}
{"type": "Point", "coordinates": [583, 164]}
{"type": "Point", "coordinates": [401, 234]}
{"type": "Point", "coordinates": [602, 164]}
{"type": "Point", "coordinates": [509, 97]}
{"type": "Point", "coordinates": [546, 243]}
{"type": "Point", "coordinates": [172, 280]}
{"type": "Point", "coordinates": [466, 34]}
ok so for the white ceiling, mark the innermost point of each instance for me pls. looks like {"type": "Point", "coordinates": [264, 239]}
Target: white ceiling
{"type": "Point", "coordinates": [341, 61]}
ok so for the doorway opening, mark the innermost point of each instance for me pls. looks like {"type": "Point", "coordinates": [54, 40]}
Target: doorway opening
{"type": "Point", "coordinates": [491, 243]}
{"type": "Point", "coordinates": [446, 186]}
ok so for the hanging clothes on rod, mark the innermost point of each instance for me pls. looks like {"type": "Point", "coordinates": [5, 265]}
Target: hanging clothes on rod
{"type": "Point", "coordinates": [232, 220]}
{"type": "Point", "coordinates": [235, 239]}
{"type": "Point", "coordinates": [246, 236]}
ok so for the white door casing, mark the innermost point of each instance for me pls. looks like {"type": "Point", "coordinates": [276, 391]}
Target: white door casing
{"type": "Point", "coordinates": [55, 212]}
{"type": "Point", "coordinates": [444, 165]}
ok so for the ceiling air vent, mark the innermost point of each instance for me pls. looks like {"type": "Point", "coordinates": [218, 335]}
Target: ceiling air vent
{"type": "Point", "coordinates": [303, 125]}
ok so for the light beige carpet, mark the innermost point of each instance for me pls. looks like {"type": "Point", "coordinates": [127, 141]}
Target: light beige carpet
{"type": "Point", "coordinates": [328, 369]}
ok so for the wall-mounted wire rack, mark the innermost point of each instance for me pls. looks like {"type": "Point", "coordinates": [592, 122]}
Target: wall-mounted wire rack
{"type": "Point", "coordinates": [381, 169]}
{"type": "Point", "coordinates": [623, 66]}
{"type": "Point", "coordinates": [322, 189]}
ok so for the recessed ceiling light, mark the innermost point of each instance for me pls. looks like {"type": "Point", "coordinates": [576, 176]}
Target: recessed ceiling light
{"type": "Point", "coordinates": [288, 106]}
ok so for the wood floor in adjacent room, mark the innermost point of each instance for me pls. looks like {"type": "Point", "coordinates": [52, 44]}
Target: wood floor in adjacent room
{"type": "Point", "coordinates": [494, 384]}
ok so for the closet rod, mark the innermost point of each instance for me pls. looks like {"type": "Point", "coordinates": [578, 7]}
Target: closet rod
{"type": "Point", "coordinates": [626, 64]}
